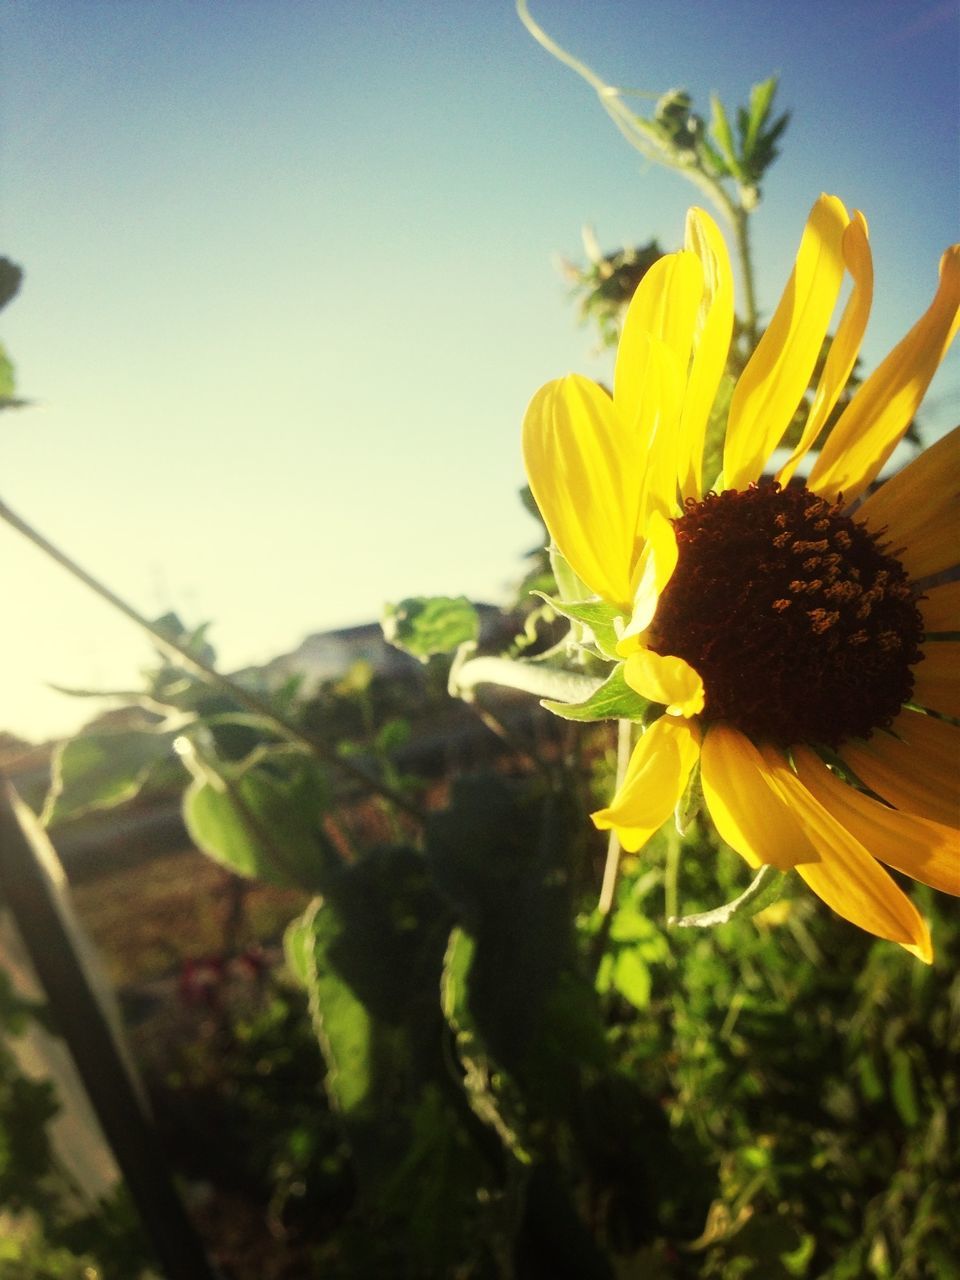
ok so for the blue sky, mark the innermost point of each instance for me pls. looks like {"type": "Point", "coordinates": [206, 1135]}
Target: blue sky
{"type": "Point", "coordinates": [291, 282]}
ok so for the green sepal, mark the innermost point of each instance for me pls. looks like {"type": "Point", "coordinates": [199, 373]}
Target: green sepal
{"type": "Point", "coordinates": [614, 700]}
{"type": "Point", "coordinates": [569, 584]}
{"type": "Point", "coordinates": [425, 625]}
{"type": "Point", "coordinates": [599, 616]}
{"type": "Point", "coordinates": [691, 802]}
{"type": "Point", "coordinates": [764, 889]}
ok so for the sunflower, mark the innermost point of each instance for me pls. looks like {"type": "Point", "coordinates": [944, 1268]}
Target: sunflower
{"type": "Point", "coordinates": [797, 634]}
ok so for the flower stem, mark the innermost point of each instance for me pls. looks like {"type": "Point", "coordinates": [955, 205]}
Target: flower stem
{"type": "Point", "coordinates": [671, 874]}
{"type": "Point", "coordinates": [611, 870]}
{"type": "Point", "coordinates": [741, 233]}
{"type": "Point", "coordinates": [644, 137]}
{"type": "Point", "coordinates": [258, 706]}
{"type": "Point", "coordinates": [532, 677]}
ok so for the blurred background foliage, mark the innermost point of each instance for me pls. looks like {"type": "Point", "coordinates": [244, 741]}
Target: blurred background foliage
{"type": "Point", "coordinates": [462, 1070]}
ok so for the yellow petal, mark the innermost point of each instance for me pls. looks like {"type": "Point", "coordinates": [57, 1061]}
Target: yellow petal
{"type": "Point", "coordinates": [846, 342]}
{"type": "Point", "coordinates": [874, 422]}
{"type": "Point", "coordinates": [664, 307]}
{"type": "Point", "coordinates": [844, 875]}
{"type": "Point", "coordinates": [584, 471]}
{"type": "Point", "coordinates": [668, 680]}
{"type": "Point", "coordinates": [657, 427]}
{"type": "Point", "coordinates": [941, 607]}
{"type": "Point", "coordinates": [936, 680]}
{"type": "Point", "coordinates": [711, 345]}
{"type": "Point", "coordinates": [746, 809]}
{"type": "Point", "coordinates": [918, 771]}
{"type": "Point", "coordinates": [656, 777]}
{"type": "Point", "coordinates": [778, 373]}
{"type": "Point", "coordinates": [654, 570]}
{"type": "Point", "coordinates": [920, 509]}
{"type": "Point", "coordinates": [923, 850]}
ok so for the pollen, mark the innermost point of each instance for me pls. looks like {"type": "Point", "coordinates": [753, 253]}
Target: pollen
{"type": "Point", "coordinates": [801, 624]}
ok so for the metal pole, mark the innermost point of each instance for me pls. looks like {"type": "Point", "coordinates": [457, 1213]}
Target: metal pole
{"type": "Point", "coordinates": [28, 873]}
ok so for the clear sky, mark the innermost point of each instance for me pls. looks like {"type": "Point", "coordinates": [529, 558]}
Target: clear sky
{"type": "Point", "coordinates": [290, 281]}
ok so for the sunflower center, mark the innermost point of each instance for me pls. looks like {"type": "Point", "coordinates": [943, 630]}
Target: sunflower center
{"type": "Point", "coordinates": [800, 625]}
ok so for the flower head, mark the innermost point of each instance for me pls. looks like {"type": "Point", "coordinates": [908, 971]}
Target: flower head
{"type": "Point", "coordinates": [789, 630]}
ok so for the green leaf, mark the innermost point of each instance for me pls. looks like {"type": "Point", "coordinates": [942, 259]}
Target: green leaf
{"type": "Point", "coordinates": [502, 856]}
{"type": "Point", "coordinates": [569, 584]}
{"type": "Point", "coordinates": [761, 100]}
{"type": "Point", "coordinates": [425, 625]}
{"type": "Point", "coordinates": [743, 124]}
{"type": "Point", "coordinates": [11, 278]}
{"type": "Point", "coordinates": [902, 1088]}
{"type": "Point", "coordinates": [716, 432]}
{"type": "Point", "coordinates": [614, 700]}
{"type": "Point", "coordinates": [630, 926]}
{"type": "Point", "coordinates": [297, 942]}
{"type": "Point", "coordinates": [372, 954]}
{"type": "Point", "coordinates": [764, 889]}
{"type": "Point", "coordinates": [393, 735]}
{"type": "Point", "coordinates": [631, 977]}
{"type": "Point", "coordinates": [344, 1025]}
{"type": "Point", "coordinates": [871, 1084]}
{"type": "Point", "coordinates": [435, 1187]}
{"type": "Point", "coordinates": [7, 376]}
{"type": "Point", "coordinates": [712, 159]}
{"type": "Point", "coordinates": [765, 151]}
{"type": "Point", "coordinates": [723, 136]}
{"type": "Point", "coordinates": [599, 616]}
{"type": "Point", "coordinates": [102, 770]}
{"type": "Point", "coordinates": [263, 823]}
{"type": "Point", "coordinates": [691, 802]}
{"type": "Point", "coordinates": [456, 967]}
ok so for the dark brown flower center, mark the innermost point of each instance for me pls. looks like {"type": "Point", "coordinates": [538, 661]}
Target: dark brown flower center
{"type": "Point", "coordinates": [801, 626]}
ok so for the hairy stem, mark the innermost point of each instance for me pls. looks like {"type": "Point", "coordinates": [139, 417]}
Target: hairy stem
{"type": "Point", "coordinates": [531, 677]}
{"type": "Point", "coordinates": [741, 233]}
{"type": "Point", "coordinates": [644, 138]}
{"type": "Point", "coordinates": [611, 870]}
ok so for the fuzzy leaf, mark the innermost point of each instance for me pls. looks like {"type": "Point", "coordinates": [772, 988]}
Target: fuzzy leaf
{"type": "Point", "coordinates": [11, 278]}
{"type": "Point", "coordinates": [503, 861]}
{"type": "Point", "coordinates": [425, 625]}
{"type": "Point", "coordinates": [614, 700]}
{"type": "Point", "coordinates": [761, 100]}
{"type": "Point", "coordinates": [723, 136]}
{"type": "Point", "coordinates": [765, 888]}
{"type": "Point", "coordinates": [102, 770]}
{"type": "Point", "coordinates": [263, 823]}
{"type": "Point", "coordinates": [595, 614]}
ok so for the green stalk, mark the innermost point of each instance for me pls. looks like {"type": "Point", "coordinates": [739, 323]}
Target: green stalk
{"type": "Point", "coordinates": [611, 867]}
{"type": "Point", "coordinates": [671, 874]}
{"type": "Point", "coordinates": [611, 870]}
{"type": "Point", "coordinates": [531, 677]}
{"type": "Point", "coordinates": [646, 140]}
{"type": "Point", "coordinates": [741, 233]}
